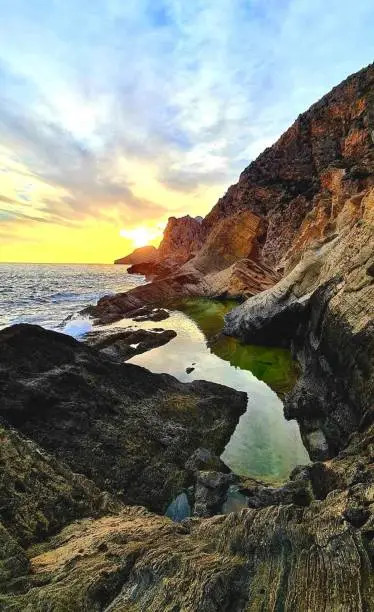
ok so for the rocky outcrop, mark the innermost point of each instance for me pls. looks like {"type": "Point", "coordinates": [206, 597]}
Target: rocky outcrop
{"type": "Point", "coordinates": [277, 556]}
{"type": "Point", "coordinates": [122, 345]}
{"type": "Point", "coordinates": [323, 309]}
{"type": "Point", "coordinates": [126, 429]}
{"type": "Point", "coordinates": [299, 185]}
{"type": "Point", "coordinates": [303, 189]}
{"type": "Point", "coordinates": [182, 238]}
{"type": "Point", "coordinates": [144, 254]}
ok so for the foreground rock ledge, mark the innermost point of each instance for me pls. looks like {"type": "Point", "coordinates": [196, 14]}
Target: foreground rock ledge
{"type": "Point", "coordinates": [127, 429]}
{"type": "Point", "coordinates": [282, 557]}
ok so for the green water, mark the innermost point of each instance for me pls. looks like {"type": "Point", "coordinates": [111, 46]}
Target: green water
{"type": "Point", "coordinates": [264, 444]}
{"type": "Point", "coordinates": [274, 366]}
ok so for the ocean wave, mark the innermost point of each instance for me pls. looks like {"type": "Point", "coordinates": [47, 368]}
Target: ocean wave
{"type": "Point", "coordinates": [77, 327]}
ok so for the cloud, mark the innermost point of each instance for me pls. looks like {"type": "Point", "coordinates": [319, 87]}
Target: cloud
{"type": "Point", "coordinates": [194, 89]}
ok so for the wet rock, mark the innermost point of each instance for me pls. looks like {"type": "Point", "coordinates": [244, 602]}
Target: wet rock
{"type": "Point", "coordinates": [298, 492]}
{"type": "Point", "coordinates": [124, 344]}
{"type": "Point", "coordinates": [149, 314]}
{"type": "Point", "coordinates": [189, 370]}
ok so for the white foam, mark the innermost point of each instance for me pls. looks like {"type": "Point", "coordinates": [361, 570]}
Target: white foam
{"type": "Point", "coordinates": [77, 327]}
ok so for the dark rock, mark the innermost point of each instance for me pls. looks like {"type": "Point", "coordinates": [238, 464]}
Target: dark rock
{"type": "Point", "coordinates": [150, 314]}
{"type": "Point", "coordinates": [356, 516]}
{"type": "Point", "coordinates": [140, 255]}
{"type": "Point", "coordinates": [189, 370]}
{"type": "Point", "coordinates": [128, 430]}
{"type": "Point", "coordinates": [204, 460]}
{"type": "Point", "coordinates": [298, 492]}
{"type": "Point", "coordinates": [124, 344]}
{"type": "Point", "coordinates": [211, 492]}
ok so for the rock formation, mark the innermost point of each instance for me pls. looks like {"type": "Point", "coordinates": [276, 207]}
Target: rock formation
{"type": "Point", "coordinates": [295, 236]}
{"type": "Point", "coordinates": [127, 429]}
{"type": "Point", "coordinates": [306, 187]}
{"type": "Point", "coordinates": [142, 254]}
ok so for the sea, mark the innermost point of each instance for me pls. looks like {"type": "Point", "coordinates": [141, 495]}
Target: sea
{"type": "Point", "coordinates": [52, 295]}
{"type": "Point", "coordinates": [264, 444]}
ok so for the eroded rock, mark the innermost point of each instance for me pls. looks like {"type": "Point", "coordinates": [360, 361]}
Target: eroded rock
{"type": "Point", "coordinates": [128, 430]}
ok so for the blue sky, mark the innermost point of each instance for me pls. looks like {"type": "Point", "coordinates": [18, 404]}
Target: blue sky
{"type": "Point", "coordinates": [124, 112]}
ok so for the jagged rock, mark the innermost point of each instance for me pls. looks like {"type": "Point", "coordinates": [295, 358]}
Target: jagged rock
{"type": "Point", "coordinates": [151, 269]}
{"type": "Point", "coordinates": [298, 492]}
{"type": "Point", "coordinates": [267, 558]}
{"type": "Point", "coordinates": [305, 188]}
{"type": "Point", "coordinates": [40, 495]}
{"type": "Point", "coordinates": [211, 492]}
{"type": "Point", "coordinates": [128, 430]}
{"type": "Point", "coordinates": [203, 459]}
{"type": "Point", "coordinates": [182, 238]}
{"type": "Point", "coordinates": [144, 254]}
{"type": "Point", "coordinates": [124, 344]}
{"type": "Point", "coordinates": [233, 238]}
{"type": "Point", "coordinates": [299, 185]}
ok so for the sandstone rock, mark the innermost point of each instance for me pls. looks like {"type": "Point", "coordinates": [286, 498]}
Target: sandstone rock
{"type": "Point", "coordinates": [182, 238]}
{"type": "Point", "coordinates": [324, 310]}
{"type": "Point", "coordinates": [299, 184]}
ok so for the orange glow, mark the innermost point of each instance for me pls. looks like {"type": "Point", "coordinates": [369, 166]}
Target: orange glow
{"type": "Point", "coordinates": [140, 236]}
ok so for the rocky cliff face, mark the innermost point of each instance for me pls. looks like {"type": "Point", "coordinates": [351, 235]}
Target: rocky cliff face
{"type": "Point", "coordinates": [306, 187]}
{"type": "Point", "coordinates": [323, 309]}
{"type": "Point", "coordinates": [182, 239]}
{"type": "Point", "coordinates": [300, 184]}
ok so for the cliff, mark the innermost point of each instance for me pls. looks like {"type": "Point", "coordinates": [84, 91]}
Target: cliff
{"type": "Point", "coordinates": [295, 236]}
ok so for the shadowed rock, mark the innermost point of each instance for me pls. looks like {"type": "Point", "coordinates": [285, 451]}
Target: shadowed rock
{"type": "Point", "coordinates": [127, 429]}
{"type": "Point", "coordinates": [126, 343]}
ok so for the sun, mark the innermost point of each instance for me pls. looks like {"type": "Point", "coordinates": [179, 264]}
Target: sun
{"type": "Point", "coordinates": [140, 236]}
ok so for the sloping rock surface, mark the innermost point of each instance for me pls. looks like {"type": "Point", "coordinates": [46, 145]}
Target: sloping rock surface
{"type": "Point", "coordinates": [127, 429]}
{"type": "Point", "coordinates": [140, 255]}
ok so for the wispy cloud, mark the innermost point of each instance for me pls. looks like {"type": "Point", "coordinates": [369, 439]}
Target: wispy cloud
{"type": "Point", "coordinates": [193, 90]}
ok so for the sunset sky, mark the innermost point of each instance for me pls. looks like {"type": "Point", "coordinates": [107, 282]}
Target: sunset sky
{"type": "Point", "coordinates": [116, 114]}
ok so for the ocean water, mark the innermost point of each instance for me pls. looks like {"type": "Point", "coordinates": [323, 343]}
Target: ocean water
{"type": "Point", "coordinates": [49, 294]}
{"type": "Point", "coordinates": [264, 444]}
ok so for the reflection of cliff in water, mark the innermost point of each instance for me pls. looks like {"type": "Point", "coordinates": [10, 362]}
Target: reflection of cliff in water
{"type": "Point", "coordinates": [274, 366]}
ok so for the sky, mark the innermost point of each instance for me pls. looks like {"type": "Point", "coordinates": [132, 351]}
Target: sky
{"type": "Point", "coordinates": [116, 114]}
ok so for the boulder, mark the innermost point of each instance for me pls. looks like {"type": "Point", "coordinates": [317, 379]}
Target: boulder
{"type": "Point", "coordinates": [128, 430]}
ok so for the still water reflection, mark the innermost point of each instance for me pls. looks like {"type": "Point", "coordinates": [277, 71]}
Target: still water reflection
{"type": "Point", "coordinates": [264, 444]}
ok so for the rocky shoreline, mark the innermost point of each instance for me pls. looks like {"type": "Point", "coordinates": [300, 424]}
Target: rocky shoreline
{"type": "Point", "coordinates": [86, 439]}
